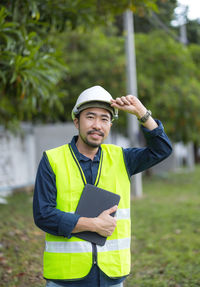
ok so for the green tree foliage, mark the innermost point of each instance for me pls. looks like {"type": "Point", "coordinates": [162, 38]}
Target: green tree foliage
{"type": "Point", "coordinates": [29, 73]}
{"type": "Point", "coordinates": [50, 52]}
{"type": "Point", "coordinates": [169, 85]}
{"type": "Point", "coordinates": [94, 58]}
{"type": "Point", "coordinates": [195, 53]}
{"type": "Point", "coordinates": [167, 71]}
{"type": "Point", "coordinates": [193, 31]}
{"type": "Point", "coordinates": [31, 63]}
{"type": "Point", "coordinates": [147, 22]}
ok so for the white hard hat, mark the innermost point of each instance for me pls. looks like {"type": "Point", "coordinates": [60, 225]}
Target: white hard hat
{"type": "Point", "coordinates": [96, 97]}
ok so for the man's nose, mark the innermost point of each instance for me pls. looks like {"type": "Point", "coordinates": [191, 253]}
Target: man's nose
{"type": "Point", "coordinates": [97, 123]}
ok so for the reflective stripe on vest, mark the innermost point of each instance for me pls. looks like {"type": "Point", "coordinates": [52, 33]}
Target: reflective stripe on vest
{"type": "Point", "coordinates": [84, 246]}
{"type": "Point", "coordinates": [68, 247]}
{"type": "Point", "coordinates": [112, 245]}
{"type": "Point", "coordinates": [72, 258]}
{"type": "Point", "coordinates": [123, 214]}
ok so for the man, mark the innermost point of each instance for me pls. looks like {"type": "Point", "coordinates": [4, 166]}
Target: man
{"type": "Point", "coordinates": [61, 176]}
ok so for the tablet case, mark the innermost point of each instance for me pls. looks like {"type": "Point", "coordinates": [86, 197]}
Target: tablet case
{"type": "Point", "coordinates": [94, 201]}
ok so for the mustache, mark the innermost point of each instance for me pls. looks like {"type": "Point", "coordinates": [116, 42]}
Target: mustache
{"type": "Point", "coordinates": [95, 131]}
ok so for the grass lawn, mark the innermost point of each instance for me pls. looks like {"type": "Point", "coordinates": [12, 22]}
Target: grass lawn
{"type": "Point", "coordinates": [165, 236]}
{"type": "Point", "coordinates": [166, 233]}
{"type": "Point", "coordinates": [21, 244]}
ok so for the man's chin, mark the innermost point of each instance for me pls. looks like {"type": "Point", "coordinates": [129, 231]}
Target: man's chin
{"type": "Point", "coordinates": [93, 144]}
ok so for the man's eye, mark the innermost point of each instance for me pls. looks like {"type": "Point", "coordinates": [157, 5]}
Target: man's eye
{"type": "Point", "coordinates": [105, 120]}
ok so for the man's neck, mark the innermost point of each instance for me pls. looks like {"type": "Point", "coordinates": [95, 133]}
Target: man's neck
{"type": "Point", "coordinates": [86, 150]}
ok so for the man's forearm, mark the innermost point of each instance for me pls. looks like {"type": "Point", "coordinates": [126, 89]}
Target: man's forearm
{"type": "Point", "coordinates": [84, 224]}
{"type": "Point", "coordinates": [104, 224]}
{"type": "Point", "coordinates": [150, 124]}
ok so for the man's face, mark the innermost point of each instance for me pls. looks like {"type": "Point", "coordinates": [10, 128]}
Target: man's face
{"type": "Point", "coordinates": [94, 126]}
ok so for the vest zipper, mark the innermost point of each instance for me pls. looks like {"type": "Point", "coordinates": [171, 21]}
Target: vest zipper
{"type": "Point", "coordinates": [94, 253]}
{"type": "Point", "coordinates": [94, 247]}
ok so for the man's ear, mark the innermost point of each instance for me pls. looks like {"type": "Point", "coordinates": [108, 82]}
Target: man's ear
{"type": "Point", "coordinates": [76, 123]}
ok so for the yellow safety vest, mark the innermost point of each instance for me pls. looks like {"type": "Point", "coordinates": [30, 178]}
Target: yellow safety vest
{"type": "Point", "coordinates": [73, 258]}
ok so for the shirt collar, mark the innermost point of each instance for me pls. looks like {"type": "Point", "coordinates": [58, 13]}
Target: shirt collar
{"type": "Point", "coordinates": [80, 156]}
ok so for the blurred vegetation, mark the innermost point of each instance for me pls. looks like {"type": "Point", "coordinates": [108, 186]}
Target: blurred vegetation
{"type": "Point", "coordinates": [165, 236]}
{"type": "Point", "coordinates": [148, 22]}
{"type": "Point", "coordinates": [193, 31]}
{"type": "Point", "coordinates": [51, 51]}
{"type": "Point", "coordinates": [168, 75]}
{"type": "Point", "coordinates": [168, 81]}
{"type": "Point", "coordinates": [30, 72]}
{"type": "Point", "coordinates": [94, 57]}
{"type": "Point", "coordinates": [31, 63]}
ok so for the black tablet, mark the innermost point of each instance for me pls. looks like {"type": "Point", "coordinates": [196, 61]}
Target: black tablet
{"type": "Point", "coordinates": [94, 201]}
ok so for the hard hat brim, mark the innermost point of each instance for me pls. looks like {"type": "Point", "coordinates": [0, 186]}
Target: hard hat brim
{"type": "Point", "coordinates": [94, 97]}
{"type": "Point", "coordinates": [95, 104]}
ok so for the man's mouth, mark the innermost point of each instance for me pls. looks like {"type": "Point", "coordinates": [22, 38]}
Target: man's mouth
{"type": "Point", "coordinates": [96, 133]}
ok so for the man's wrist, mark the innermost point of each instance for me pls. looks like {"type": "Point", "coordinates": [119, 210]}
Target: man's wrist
{"type": "Point", "coordinates": [145, 117]}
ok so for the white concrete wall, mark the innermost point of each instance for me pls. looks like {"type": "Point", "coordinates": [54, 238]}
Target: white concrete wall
{"type": "Point", "coordinates": [51, 136]}
{"type": "Point", "coordinates": [17, 159]}
{"type": "Point", "coordinates": [20, 155]}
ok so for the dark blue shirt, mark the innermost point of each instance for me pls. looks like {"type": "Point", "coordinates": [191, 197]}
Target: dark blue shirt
{"type": "Point", "coordinates": [57, 222]}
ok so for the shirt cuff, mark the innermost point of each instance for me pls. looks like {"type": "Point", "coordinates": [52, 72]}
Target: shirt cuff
{"type": "Point", "coordinates": [67, 224]}
{"type": "Point", "coordinates": [155, 132]}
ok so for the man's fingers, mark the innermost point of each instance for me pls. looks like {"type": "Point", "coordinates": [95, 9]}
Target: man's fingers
{"type": "Point", "coordinates": [112, 209]}
{"type": "Point", "coordinates": [126, 100]}
{"type": "Point", "coordinates": [121, 101]}
{"type": "Point", "coordinates": [130, 98]}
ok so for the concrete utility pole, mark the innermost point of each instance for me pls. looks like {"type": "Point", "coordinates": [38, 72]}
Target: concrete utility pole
{"type": "Point", "coordinates": [182, 23]}
{"type": "Point", "coordinates": [183, 34]}
{"type": "Point", "coordinates": [190, 161]}
{"type": "Point", "coordinates": [133, 126]}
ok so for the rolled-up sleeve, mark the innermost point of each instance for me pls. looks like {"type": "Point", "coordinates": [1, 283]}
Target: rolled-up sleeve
{"type": "Point", "coordinates": [46, 216]}
{"type": "Point", "coordinates": [158, 148]}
